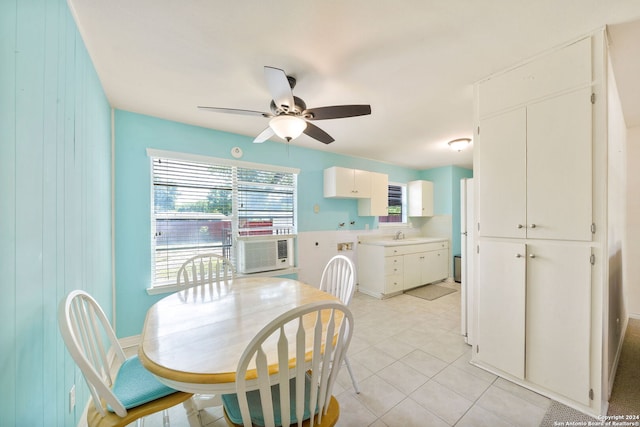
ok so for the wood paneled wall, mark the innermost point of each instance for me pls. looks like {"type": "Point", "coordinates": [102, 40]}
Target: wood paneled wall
{"type": "Point", "coordinates": [55, 205]}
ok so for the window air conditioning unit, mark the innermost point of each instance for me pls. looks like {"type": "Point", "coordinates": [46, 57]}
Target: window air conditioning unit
{"type": "Point", "coordinates": [264, 253]}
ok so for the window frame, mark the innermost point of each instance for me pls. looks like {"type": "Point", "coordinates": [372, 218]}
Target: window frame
{"type": "Point", "coordinates": [405, 207]}
{"type": "Point", "coordinates": [160, 287]}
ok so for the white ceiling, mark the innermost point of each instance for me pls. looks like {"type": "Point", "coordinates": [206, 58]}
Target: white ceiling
{"type": "Point", "coordinates": [414, 61]}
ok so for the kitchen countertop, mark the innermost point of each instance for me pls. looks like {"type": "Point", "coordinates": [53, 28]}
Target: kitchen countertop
{"type": "Point", "coordinates": [389, 241]}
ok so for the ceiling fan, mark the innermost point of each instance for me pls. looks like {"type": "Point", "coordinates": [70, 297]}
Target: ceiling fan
{"type": "Point", "coordinates": [289, 114]}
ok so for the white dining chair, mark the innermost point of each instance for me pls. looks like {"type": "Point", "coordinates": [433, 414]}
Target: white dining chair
{"type": "Point", "coordinates": [338, 279]}
{"type": "Point", "coordinates": [132, 392]}
{"type": "Point", "coordinates": [202, 277]}
{"type": "Point", "coordinates": [205, 269]}
{"type": "Point", "coordinates": [294, 385]}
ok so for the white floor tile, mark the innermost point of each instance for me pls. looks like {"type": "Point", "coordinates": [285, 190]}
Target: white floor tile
{"type": "Point", "coordinates": [523, 393]}
{"type": "Point", "coordinates": [352, 412]}
{"type": "Point", "coordinates": [478, 417]}
{"type": "Point", "coordinates": [403, 377]}
{"type": "Point", "coordinates": [378, 395]}
{"type": "Point", "coordinates": [462, 362]}
{"type": "Point", "coordinates": [462, 382]}
{"type": "Point", "coordinates": [508, 406]}
{"type": "Point", "coordinates": [395, 348]}
{"type": "Point", "coordinates": [424, 363]}
{"type": "Point", "coordinates": [443, 402]}
{"type": "Point", "coordinates": [409, 413]}
{"type": "Point", "coordinates": [372, 358]}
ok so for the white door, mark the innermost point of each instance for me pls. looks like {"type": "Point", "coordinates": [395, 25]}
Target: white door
{"type": "Point", "coordinates": [559, 167]}
{"type": "Point", "coordinates": [559, 318]}
{"type": "Point", "coordinates": [502, 178]}
{"type": "Point", "coordinates": [500, 293]}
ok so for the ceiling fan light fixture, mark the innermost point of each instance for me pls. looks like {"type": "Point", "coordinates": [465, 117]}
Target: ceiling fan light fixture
{"type": "Point", "coordinates": [459, 144]}
{"type": "Point", "coordinates": [288, 127]}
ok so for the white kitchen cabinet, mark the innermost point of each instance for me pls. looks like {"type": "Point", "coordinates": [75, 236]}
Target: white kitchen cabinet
{"type": "Point", "coordinates": [536, 163]}
{"type": "Point", "coordinates": [380, 270]}
{"type": "Point", "coordinates": [384, 271]}
{"type": "Point", "coordinates": [500, 306]}
{"type": "Point", "coordinates": [436, 265]}
{"type": "Point", "coordinates": [533, 313]}
{"type": "Point", "coordinates": [547, 242]}
{"type": "Point", "coordinates": [555, 72]}
{"type": "Point", "coordinates": [378, 203]}
{"type": "Point", "coordinates": [426, 266]}
{"type": "Point", "coordinates": [347, 183]}
{"type": "Point", "coordinates": [393, 274]}
{"type": "Point", "coordinates": [558, 314]}
{"type": "Point", "coordinates": [559, 167]}
{"type": "Point", "coordinates": [420, 198]}
{"type": "Point", "coordinates": [413, 273]}
{"type": "Point", "coordinates": [502, 157]}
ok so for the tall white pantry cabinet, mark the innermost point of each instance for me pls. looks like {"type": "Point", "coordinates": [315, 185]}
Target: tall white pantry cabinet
{"type": "Point", "coordinates": [541, 167]}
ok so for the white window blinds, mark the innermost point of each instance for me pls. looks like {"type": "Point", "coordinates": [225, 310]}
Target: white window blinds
{"type": "Point", "coordinates": [397, 209]}
{"type": "Point", "coordinates": [199, 207]}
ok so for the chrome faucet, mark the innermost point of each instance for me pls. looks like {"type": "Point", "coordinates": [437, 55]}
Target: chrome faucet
{"type": "Point", "coordinates": [399, 235]}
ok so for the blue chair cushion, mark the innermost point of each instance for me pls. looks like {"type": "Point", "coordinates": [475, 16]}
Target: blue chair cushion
{"type": "Point", "coordinates": [231, 406]}
{"type": "Point", "coordinates": [135, 386]}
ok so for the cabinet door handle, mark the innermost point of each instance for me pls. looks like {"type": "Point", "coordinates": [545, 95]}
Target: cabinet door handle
{"type": "Point", "coordinates": [520, 226]}
{"type": "Point", "coordinates": [518, 255]}
{"type": "Point", "coordinates": [532, 226]}
{"type": "Point", "coordinates": [532, 256]}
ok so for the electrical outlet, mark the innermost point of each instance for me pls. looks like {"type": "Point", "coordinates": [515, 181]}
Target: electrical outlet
{"type": "Point", "coordinates": [72, 398]}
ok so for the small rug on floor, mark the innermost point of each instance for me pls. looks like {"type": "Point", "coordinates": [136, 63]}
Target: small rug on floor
{"type": "Point", "coordinates": [430, 292]}
{"type": "Point", "coordinates": [561, 415]}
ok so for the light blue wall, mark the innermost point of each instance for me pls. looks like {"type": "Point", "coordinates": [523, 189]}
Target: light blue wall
{"type": "Point", "coordinates": [446, 195]}
{"type": "Point", "coordinates": [135, 133]}
{"type": "Point", "coordinates": [55, 205]}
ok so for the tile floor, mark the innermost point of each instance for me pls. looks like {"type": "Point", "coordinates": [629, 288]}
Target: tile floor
{"type": "Point", "coordinates": [413, 370]}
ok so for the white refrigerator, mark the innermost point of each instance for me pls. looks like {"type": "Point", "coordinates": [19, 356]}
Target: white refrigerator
{"type": "Point", "coordinates": [466, 259]}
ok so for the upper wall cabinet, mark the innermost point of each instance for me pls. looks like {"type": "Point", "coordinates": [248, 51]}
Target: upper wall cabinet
{"type": "Point", "coordinates": [536, 166]}
{"type": "Point", "coordinates": [558, 71]}
{"type": "Point", "coordinates": [347, 183]}
{"type": "Point", "coordinates": [378, 203]}
{"type": "Point", "coordinates": [420, 198]}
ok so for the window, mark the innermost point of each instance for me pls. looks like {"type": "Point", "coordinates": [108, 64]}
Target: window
{"type": "Point", "coordinates": [199, 206]}
{"type": "Point", "coordinates": [397, 206]}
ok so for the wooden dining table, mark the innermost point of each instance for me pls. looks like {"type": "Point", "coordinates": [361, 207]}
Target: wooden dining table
{"type": "Point", "coordinates": [192, 339]}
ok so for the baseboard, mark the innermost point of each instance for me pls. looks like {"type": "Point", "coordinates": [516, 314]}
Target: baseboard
{"type": "Point", "coordinates": [612, 376]}
{"type": "Point", "coordinates": [635, 316]}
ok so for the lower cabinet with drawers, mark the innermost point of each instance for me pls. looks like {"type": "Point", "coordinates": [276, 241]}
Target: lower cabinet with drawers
{"type": "Point", "coordinates": [386, 270]}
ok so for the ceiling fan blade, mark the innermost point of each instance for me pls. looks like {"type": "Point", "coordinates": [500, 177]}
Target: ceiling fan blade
{"type": "Point", "coordinates": [336, 112]}
{"type": "Point", "coordinates": [279, 87]}
{"type": "Point", "coordinates": [316, 133]}
{"type": "Point", "coordinates": [264, 135]}
{"type": "Point", "coordinates": [236, 111]}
